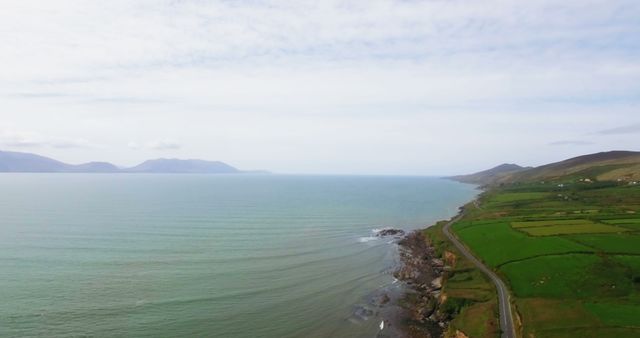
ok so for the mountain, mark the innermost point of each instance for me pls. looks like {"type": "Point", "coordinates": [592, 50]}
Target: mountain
{"type": "Point", "coordinates": [603, 166]}
{"type": "Point", "coordinates": [489, 176]}
{"type": "Point", "coordinates": [164, 165]}
{"type": "Point", "coordinates": [96, 167]}
{"type": "Point", "coordinates": [26, 162]}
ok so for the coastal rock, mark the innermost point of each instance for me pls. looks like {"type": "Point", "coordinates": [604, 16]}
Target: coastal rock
{"type": "Point", "coordinates": [421, 270]}
{"type": "Point", "coordinates": [362, 313]}
{"type": "Point", "coordinates": [437, 262]}
{"type": "Point", "coordinates": [390, 232]}
{"type": "Point", "coordinates": [460, 334]}
{"type": "Point", "coordinates": [437, 283]}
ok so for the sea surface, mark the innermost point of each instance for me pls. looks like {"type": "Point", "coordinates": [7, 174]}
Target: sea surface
{"type": "Point", "coordinates": [151, 255]}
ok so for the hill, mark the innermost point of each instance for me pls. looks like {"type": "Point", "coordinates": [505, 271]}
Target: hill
{"type": "Point", "coordinates": [25, 162]}
{"type": "Point", "coordinates": [30, 163]}
{"type": "Point", "coordinates": [603, 166]}
{"type": "Point", "coordinates": [491, 175]}
{"type": "Point", "coordinates": [183, 166]}
{"type": "Point", "coordinates": [96, 167]}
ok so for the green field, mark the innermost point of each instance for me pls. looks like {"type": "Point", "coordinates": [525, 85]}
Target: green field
{"type": "Point", "coordinates": [629, 223]}
{"type": "Point", "coordinates": [532, 224]}
{"type": "Point", "coordinates": [574, 276]}
{"type": "Point", "coordinates": [571, 256]}
{"type": "Point", "coordinates": [514, 245]}
{"type": "Point", "coordinates": [586, 228]}
{"type": "Point", "coordinates": [518, 196]}
{"type": "Point", "coordinates": [616, 314]}
{"type": "Point", "coordinates": [623, 221]}
{"type": "Point", "coordinates": [611, 243]}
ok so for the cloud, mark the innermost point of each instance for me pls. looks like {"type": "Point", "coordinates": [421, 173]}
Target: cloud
{"type": "Point", "coordinates": [164, 145]}
{"type": "Point", "coordinates": [20, 139]}
{"type": "Point", "coordinates": [629, 129]}
{"type": "Point", "coordinates": [155, 145]}
{"type": "Point", "coordinates": [310, 86]}
{"type": "Point", "coordinates": [28, 139]}
{"type": "Point", "coordinates": [571, 143]}
{"type": "Point", "coordinates": [71, 143]}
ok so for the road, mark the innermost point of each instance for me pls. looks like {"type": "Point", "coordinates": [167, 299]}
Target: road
{"type": "Point", "coordinates": [506, 319]}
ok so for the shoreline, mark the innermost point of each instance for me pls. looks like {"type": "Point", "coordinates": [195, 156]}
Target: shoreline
{"type": "Point", "coordinates": [421, 272]}
{"type": "Point", "coordinates": [409, 306]}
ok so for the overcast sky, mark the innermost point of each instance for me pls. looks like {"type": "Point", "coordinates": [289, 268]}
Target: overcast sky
{"type": "Point", "coordinates": [347, 87]}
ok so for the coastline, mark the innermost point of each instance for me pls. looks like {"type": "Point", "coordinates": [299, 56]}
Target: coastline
{"type": "Point", "coordinates": [424, 266]}
{"type": "Point", "coordinates": [421, 271]}
{"type": "Point", "coordinates": [410, 306]}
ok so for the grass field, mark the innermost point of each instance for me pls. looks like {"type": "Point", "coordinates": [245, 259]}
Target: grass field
{"type": "Point", "coordinates": [585, 228]}
{"type": "Point", "coordinates": [477, 320]}
{"type": "Point", "coordinates": [514, 245]}
{"type": "Point", "coordinates": [533, 224]}
{"type": "Point", "coordinates": [616, 314]}
{"type": "Point", "coordinates": [622, 221]}
{"type": "Point", "coordinates": [611, 243]}
{"type": "Point", "coordinates": [542, 315]}
{"type": "Point", "coordinates": [517, 196]}
{"type": "Point", "coordinates": [571, 255]}
{"type": "Point", "coordinates": [574, 276]}
{"type": "Point", "coordinates": [629, 223]}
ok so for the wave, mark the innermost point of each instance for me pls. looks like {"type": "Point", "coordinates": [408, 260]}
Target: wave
{"type": "Point", "coordinates": [375, 235]}
{"type": "Point", "coordinates": [368, 239]}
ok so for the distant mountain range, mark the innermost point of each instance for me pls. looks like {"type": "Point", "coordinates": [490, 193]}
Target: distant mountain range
{"type": "Point", "coordinates": [604, 166]}
{"type": "Point", "coordinates": [32, 163]}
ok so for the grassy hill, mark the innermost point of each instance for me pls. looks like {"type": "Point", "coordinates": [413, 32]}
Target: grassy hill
{"type": "Point", "coordinates": [612, 165]}
{"type": "Point", "coordinates": [491, 175]}
{"type": "Point", "coordinates": [605, 166]}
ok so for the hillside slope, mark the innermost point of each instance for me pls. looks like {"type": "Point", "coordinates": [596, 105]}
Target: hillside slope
{"type": "Point", "coordinates": [489, 176]}
{"type": "Point", "coordinates": [25, 162]}
{"type": "Point", "coordinates": [611, 165]}
{"type": "Point", "coordinates": [604, 166]}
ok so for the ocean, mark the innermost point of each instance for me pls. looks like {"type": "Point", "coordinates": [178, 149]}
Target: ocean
{"type": "Point", "coordinates": [154, 255]}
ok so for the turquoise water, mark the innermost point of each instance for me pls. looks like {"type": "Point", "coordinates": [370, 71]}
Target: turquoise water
{"type": "Point", "coordinates": [203, 255]}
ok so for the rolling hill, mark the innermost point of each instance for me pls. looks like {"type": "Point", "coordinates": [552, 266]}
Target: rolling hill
{"type": "Point", "coordinates": [603, 166]}
{"type": "Point", "coordinates": [490, 175]}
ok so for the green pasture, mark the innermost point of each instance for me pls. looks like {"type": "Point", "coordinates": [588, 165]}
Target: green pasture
{"type": "Point", "coordinates": [531, 224]}
{"type": "Point", "coordinates": [541, 315]}
{"type": "Point", "coordinates": [517, 196]}
{"type": "Point", "coordinates": [498, 243]}
{"type": "Point", "coordinates": [572, 276]}
{"type": "Point", "coordinates": [622, 221]}
{"type": "Point", "coordinates": [477, 320]}
{"type": "Point", "coordinates": [611, 243]}
{"type": "Point", "coordinates": [616, 313]}
{"type": "Point", "coordinates": [586, 228]}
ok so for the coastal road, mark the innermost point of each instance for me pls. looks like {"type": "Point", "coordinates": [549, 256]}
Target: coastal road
{"type": "Point", "coordinates": [506, 319]}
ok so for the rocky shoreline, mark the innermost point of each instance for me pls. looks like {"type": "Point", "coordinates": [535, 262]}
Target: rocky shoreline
{"type": "Point", "coordinates": [422, 272]}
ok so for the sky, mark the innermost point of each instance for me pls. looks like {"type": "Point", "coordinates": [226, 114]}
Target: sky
{"type": "Point", "coordinates": [386, 87]}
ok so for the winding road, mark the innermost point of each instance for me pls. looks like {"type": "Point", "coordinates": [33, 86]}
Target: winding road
{"type": "Point", "coordinates": [506, 319]}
